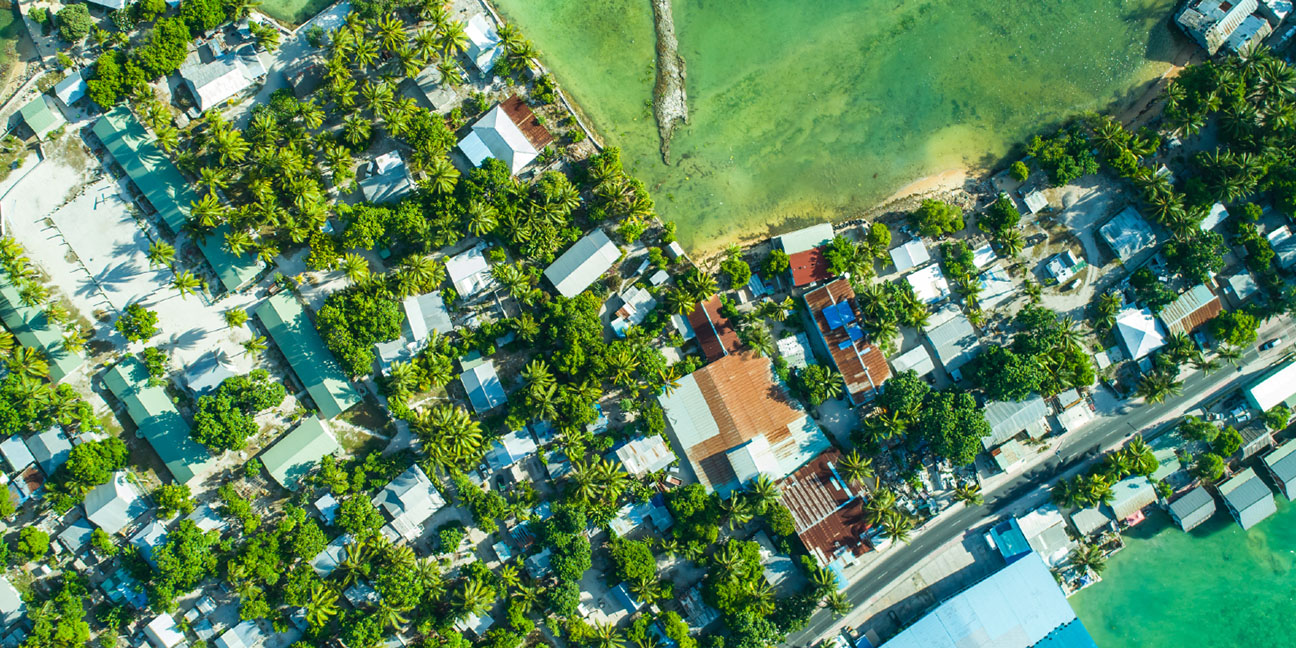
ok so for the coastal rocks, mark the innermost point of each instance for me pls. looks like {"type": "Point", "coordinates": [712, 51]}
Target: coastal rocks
{"type": "Point", "coordinates": [670, 103]}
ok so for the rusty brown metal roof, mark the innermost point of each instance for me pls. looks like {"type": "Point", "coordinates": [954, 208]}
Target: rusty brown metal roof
{"type": "Point", "coordinates": [862, 365]}
{"type": "Point", "coordinates": [1191, 310]}
{"type": "Point", "coordinates": [827, 512]}
{"type": "Point", "coordinates": [808, 267]}
{"type": "Point", "coordinates": [715, 334]}
{"type": "Point", "coordinates": [526, 121]}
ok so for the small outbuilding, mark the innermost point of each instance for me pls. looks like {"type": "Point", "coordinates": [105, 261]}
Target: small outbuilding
{"type": "Point", "coordinates": [42, 116]}
{"type": "Point", "coordinates": [1248, 499]}
{"type": "Point", "coordinates": [1281, 464]}
{"type": "Point", "coordinates": [1192, 508]}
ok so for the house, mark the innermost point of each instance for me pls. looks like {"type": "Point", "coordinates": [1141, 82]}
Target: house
{"type": "Point", "coordinates": [208, 372]}
{"type": "Point", "coordinates": [71, 88]}
{"type": "Point", "coordinates": [510, 133]}
{"type": "Point", "coordinates": [631, 516]}
{"type": "Point", "coordinates": [163, 632]}
{"type": "Point", "coordinates": [485, 392]}
{"type": "Point", "coordinates": [929, 284]}
{"type": "Point", "coordinates": [716, 336]}
{"type": "Point", "coordinates": [1191, 310]}
{"type": "Point", "coordinates": [1090, 520]}
{"type": "Point", "coordinates": [475, 625]}
{"type": "Point", "coordinates": [331, 557]}
{"type": "Point", "coordinates": [311, 361]}
{"type": "Point", "coordinates": [244, 635]}
{"type": "Point", "coordinates": [33, 328]}
{"type": "Point", "coordinates": [917, 360]}
{"type": "Point", "coordinates": [12, 608]}
{"type": "Point", "coordinates": [1009, 454]}
{"type": "Point", "coordinates": [147, 540]}
{"type": "Point", "coordinates": [1009, 418]}
{"type": "Point", "coordinates": [114, 505]}
{"type": "Point", "coordinates": [42, 116]}
{"type": "Point", "coordinates": [1192, 508]}
{"type": "Point", "coordinates": [1214, 218]}
{"type": "Point", "coordinates": [1212, 22]}
{"type": "Point", "coordinates": [484, 43]}
{"type": "Point", "coordinates": [409, 501]}
{"type": "Point", "coordinates": [635, 305]}
{"type": "Point", "coordinates": [424, 315]}
{"type": "Point", "coordinates": [733, 421]}
{"type": "Point", "coordinates": [50, 449]}
{"type": "Point", "coordinates": [293, 457]}
{"type": "Point", "coordinates": [910, 255]}
{"type": "Point", "coordinates": [827, 511]}
{"type": "Point", "coordinates": [1277, 387]}
{"type": "Point", "coordinates": [1255, 437]}
{"type": "Point", "coordinates": [468, 272]}
{"type": "Point", "coordinates": [644, 455]}
{"type": "Point", "coordinates": [1281, 464]}
{"type": "Point", "coordinates": [805, 254]}
{"type": "Point", "coordinates": [1132, 495]}
{"type": "Point", "coordinates": [795, 350]}
{"type": "Point", "coordinates": [16, 454]}
{"type": "Point", "coordinates": [1284, 246]}
{"type": "Point", "coordinates": [1063, 266]}
{"type": "Point", "coordinates": [214, 76]}
{"type": "Point", "coordinates": [1248, 499]}
{"type": "Point", "coordinates": [1139, 332]}
{"type": "Point", "coordinates": [1074, 418]}
{"type": "Point", "coordinates": [1251, 32]}
{"type": "Point", "coordinates": [996, 287]}
{"type": "Point", "coordinates": [386, 179]}
{"type": "Point", "coordinates": [440, 96]}
{"type": "Point", "coordinates": [1241, 286]}
{"type": "Point", "coordinates": [1020, 606]}
{"type": "Point", "coordinates": [158, 421]}
{"type": "Point", "coordinates": [954, 340]}
{"type": "Point", "coordinates": [582, 264]}
{"type": "Point", "coordinates": [1035, 201]}
{"type": "Point", "coordinates": [304, 76]}
{"type": "Point", "coordinates": [510, 448]}
{"type": "Point", "coordinates": [836, 332]}
{"type": "Point", "coordinates": [1041, 531]}
{"type": "Point", "coordinates": [163, 188]}
{"type": "Point", "coordinates": [1128, 234]}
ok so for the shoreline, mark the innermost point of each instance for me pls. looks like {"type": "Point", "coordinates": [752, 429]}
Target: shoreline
{"type": "Point", "coordinates": [670, 100]}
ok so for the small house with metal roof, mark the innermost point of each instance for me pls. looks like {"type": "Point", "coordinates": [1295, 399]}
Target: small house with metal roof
{"type": "Point", "coordinates": [114, 505]}
{"type": "Point", "coordinates": [1191, 310]}
{"type": "Point", "coordinates": [582, 264]}
{"type": "Point", "coordinates": [910, 255]}
{"type": "Point", "coordinates": [1008, 419]}
{"type": "Point", "coordinates": [42, 116]}
{"type": "Point", "coordinates": [409, 501]}
{"type": "Point", "coordinates": [1128, 234]}
{"type": "Point", "coordinates": [50, 449]}
{"type": "Point", "coordinates": [1281, 464]}
{"type": "Point", "coordinates": [485, 391]}
{"type": "Point", "coordinates": [293, 457]}
{"type": "Point", "coordinates": [1248, 498]}
{"type": "Point", "coordinates": [158, 421]}
{"type": "Point", "coordinates": [1132, 495]}
{"type": "Point", "coordinates": [954, 340]}
{"type": "Point", "coordinates": [1192, 508]}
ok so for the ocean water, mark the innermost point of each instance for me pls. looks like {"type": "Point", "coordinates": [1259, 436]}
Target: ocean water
{"type": "Point", "coordinates": [804, 110]}
{"type": "Point", "coordinates": [1216, 586]}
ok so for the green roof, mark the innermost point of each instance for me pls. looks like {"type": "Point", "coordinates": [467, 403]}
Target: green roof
{"type": "Point", "coordinates": [293, 456]}
{"type": "Point", "coordinates": [313, 363]}
{"type": "Point", "coordinates": [158, 420]}
{"type": "Point", "coordinates": [168, 191]}
{"type": "Point", "coordinates": [35, 330]}
{"type": "Point", "coordinates": [41, 117]}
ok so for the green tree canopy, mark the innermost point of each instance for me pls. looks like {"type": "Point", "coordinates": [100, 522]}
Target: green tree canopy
{"type": "Point", "coordinates": [935, 218]}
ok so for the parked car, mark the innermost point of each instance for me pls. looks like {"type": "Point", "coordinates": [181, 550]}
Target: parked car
{"type": "Point", "coordinates": [1270, 344]}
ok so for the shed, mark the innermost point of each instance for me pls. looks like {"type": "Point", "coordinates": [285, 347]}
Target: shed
{"type": "Point", "coordinates": [643, 455]}
{"type": "Point", "coordinates": [468, 271]}
{"type": "Point", "coordinates": [42, 116]}
{"type": "Point", "coordinates": [16, 454]}
{"type": "Point", "coordinates": [293, 457]}
{"type": "Point", "coordinates": [76, 536]}
{"type": "Point", "coordinates": [1090, 520]}
{"type": "Point", "coordinates": [1281, 464]}
{"type": "Point", "coordinates": [1192, 508]}
{"type": "Point", "coordinates": [71, 88]}
{"type": "Point", "coordinates": [386, 179]}
{"type": "Point", "coordinates": [1132, 494]}
{"type": "Point", "coordinates": [163, 632]}
{"type": "Point", "coordinates": [1009, 418]}
{"type": "Point", "coordinates": [582, 264]}
{"type": "Point", "coordinates": [929, 284]}
{"type": "Point", "coordinates": [910, 255]}
{"type": "Point", "coordinates": [1248, 499]}
{"type": "Point", "coordinates": [485, 392]}
{"type": "Point", "coordinates": [50, 448]}
{"type": "Point", "coordinates": [244, 635]}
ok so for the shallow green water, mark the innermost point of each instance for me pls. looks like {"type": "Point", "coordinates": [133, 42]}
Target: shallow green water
{"type": "Point", "coordinates": [809, 109]}
{"type": "Point", "coordinates": [1216, 586]}
{"type": "Point", "coordinates": [293, 12]}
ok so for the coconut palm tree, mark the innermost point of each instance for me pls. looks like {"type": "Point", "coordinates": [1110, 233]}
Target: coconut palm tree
{"type": "Point", "coordinates": [969, 494]}
{"type": "Point", "coordinates": [356, 129]}
{"type": "Point", "coordinates": [877, 506]}
{"type": "Point", "coordinates": [896, 526]}
{"type": "Point", "coordinates": [255, 345]}
{"type": "Point", "coordinates": [6, 342]}
{"type": "Point", "coordinates": [160, 253]}
{"type": "Point", "coordinates": [418, 274]}
{"type": "Point", "coordinates": [764, 493]}
{"type": "Point", "coordinates": [355, 267]}
{"type": "Point", "coordinates": [856, 468]}
{"type": "Point", "coordinates": [606, 635]}
{"type": "Point", "coordinates": [238, 241]}
{"type": "Point", "coordinates": [1106, 307]}
{"type": "Point", "coordinates": [235, 317]}
{"type": "Point", "coordinates": [29, 362]}
{"type": "Point", "coordinates": [322, 605]}
{"type": "Point", "coordinates": [442, 175]}
{"type": "Point", "coordinates": [759, 339]}
{"type": "Point", "coordinates": [451, 73]}
{"type": "Point", "coordinates": [213, 178]}
{"type": "Point", "coordinates": [186, 283]}
{"type": "Point", "coordinates": [838, 603]}
{"type": "Point", "coordinates": [1229, 354]}
{"type": "Point", "coordinates": [474, 597]}
{"type": "Point", "coordinates": [739, 510]}
{"type": "Point", "coordinates": [1087, 556]}
{"type": "Point", "coordinates": [1156, 386]}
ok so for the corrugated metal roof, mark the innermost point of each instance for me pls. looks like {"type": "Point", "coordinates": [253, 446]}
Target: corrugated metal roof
{"type": "Point", "coordinates": [35, 330]}
{"type": "Point", "coordinates": [863, 367]}
{"type": "Point", "coordinates": [1245, 490]}
{"type": "Point", "coordinates": [1140, 332]}
{"type": "Point", "coordinates": [806, 238]}
{"type": "Point", "coordinates": [917, 360]}
{"type": "Point", "coordinates": [1191, 310]}
{"type": "Point", "coordinates": [485, 391]}
{"type": "Point", "coordinates": [715, 335]}
{"type": "Point", "coordinates": [1017, 607]}
{"type": "Point", "coordinates": [158, 420]}
{"type": "Point", "coordinates": [1277, 388]}
{"type": "Point", "coordinates": [41, 116]}
{"type": "Point", "coordinates": [1128, 234]}
{"type": "Point", "coordinates": [295, 455]}
{"type": "Point", "coordinates": [827, 512]}
{"type": "Point", "coordinates": [1132, 494]}
{"type": "Point", "coordinates": [1282, 462]}
{"type": "Point", "coordinates": [1086, 521]}
{"type": "Point", "coordinates": [808, 267]}
{"type": "Point", "coordinates": [582, 264]}
{"type": "Point", "coordinates": [955, 341]}
{"type": "Point", "coordinates": [912, 254]}
{"type": "Point", "coordinates": [1008, 418]}
{"type": "Point", "coordinates": [1191, 503]}
{"type": "Point", "coordinates": [306, 353]}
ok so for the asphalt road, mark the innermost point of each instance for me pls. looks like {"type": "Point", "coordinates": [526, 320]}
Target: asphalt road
{"type": "Point", "coordinates": [1031, 488]}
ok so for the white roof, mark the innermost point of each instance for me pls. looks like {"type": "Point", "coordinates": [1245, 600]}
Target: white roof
{"type": "Point", "coordinates": [50, 448]}
{"type": "Point", "coordinates": [243, 635]}
{"type": "Point", "coordinates": [984, 256]}
{"type": "Point", "coordinates": [583, 263]}
{"type": "Point", "coordinates": [111, 4]}
{"type": "Point", "coordinates": [1140, 332]}
{"type": "Point", "coordinates": [209, 372]}
{"type": "Point", "coordinates": [910, 255]}
{"type": "Point", "coordinates": [996, 287]}
{"type": "Point", "coordinates": [483, 386]}
{"type": "Point", "coordinates": [11, 603]}
{"type": "Point", "coordinates": [496, 136]}
{"type": "Point", "coordinates": [645, 455]}
{"type": "Point", "coordinates": [163, 632]}
{"type": "Point", "coordinates": [1128, 233]}
{"type": "Point", "coordinates": [426, 313]}
{"type": "Point", "coordinates": [483, 43]}
{"type": "Point", "coordinates": [71, 88]}
{"type": "Point", "coordinates": [795, 349]}
{"type": "Point", "coordinates": [1075, 418]}
{"type": "Point", "coordinates": [16, 453]}
{"type": "Point", "coordinates": [215, 81]}
{"type": "Point", "coordinates": [1218, 214]}
{"type": "Point", "coordinates": [113, 505]}
{"type": "Point", "coordinates": [929, 284]}
{"type": "Point", "coordinates": [916, 359]}
{"type": "Point", "coordinates": [410, 499]}
{"type": "Point", "coordinates": [955, 341]}
{"type": "Point", "coordinates": [1035, 201]}
{"type": "Point", "coordinates": [806, 238]}
{"type": "Point", "coordinates": [1274, 389]}
{"type": "Point", "coordinates": [468, 272]}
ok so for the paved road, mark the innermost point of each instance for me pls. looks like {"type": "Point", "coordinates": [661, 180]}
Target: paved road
{"type": "Point", "coordinates": [1030, 489]}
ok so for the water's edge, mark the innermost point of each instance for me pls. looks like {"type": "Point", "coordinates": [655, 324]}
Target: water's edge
{"type": "Point", "coordinates": [670, 101]}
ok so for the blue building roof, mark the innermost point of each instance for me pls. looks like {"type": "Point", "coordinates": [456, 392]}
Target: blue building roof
{"type": "Point", "coordinates": [1010, 540]}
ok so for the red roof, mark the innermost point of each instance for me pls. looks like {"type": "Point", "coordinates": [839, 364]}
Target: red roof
{"type": "Point", "coordinates": [808, 267]}
{"type": "Point", "coordinates": [526, 121]}
{"type": "Point", "coordinates": [828, 513]}
{"type": "Point", "coordinates": [862, 365]}
{"type": "Point", "coordinates": [715, 334]}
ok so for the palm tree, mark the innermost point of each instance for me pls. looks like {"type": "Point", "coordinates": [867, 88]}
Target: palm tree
{"type": "Point", "coordinates": [186, 283]}
{"type": "Point", "coordinates": [838, 603]}
{"type": "Point", "coordinates": [29, 362]}
{"type": "Point", "coordinates": [453, 40]}
{"type": "Point", "coordinates": [390, 617]}
{"type": "Point", "coordinates": [238, 242]}
{"type": "Point", "coordinates": [322, 605]}
{"type": "Point", "coordinates": [881, 503]}
{"type": "Point", "coordinates": [160, 253]}
{"type": "Point", "coordinates": [896, 526]}
{"type": "Point", "coordinates": [1106, 308]}
{"type": "Point", "coordinates": [1156, 386]}
{"type": "Point", "coordinates": [450, 73]}
{"type": "Point", "coordinates": [764, 493]}
{"type": "Point", "coordinates": [739, 510]}
{"type": "Point", "coordinates": [6, 341]}
{"type": "Point", "coordinates": [355, 267]}
{"type": "Point", "coordinates": [856, 468]}
{"type": "Point", "coordinates": [482, 217]}
{"type": "Point", "coordinates": [606, 635]}
{"type": "Point", "coordinates": [1087, 556]}
{"type": "Point", "coordinates": [759, 339]}
{"type": "Point", "coordinates": [969, 494]}
{"type": "Point", "coordinates": [255, 345]}
{"type": "Point", "coordinates": [1229, 354]}
{"type": "Point", "coordinates": [355, 129]}
{"type": "Point", "coordinates": [442, 175]}
{"type": "Point", "coordinates": [235, 317]}
{"type": "Point", "coordinates": [474, 598]}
